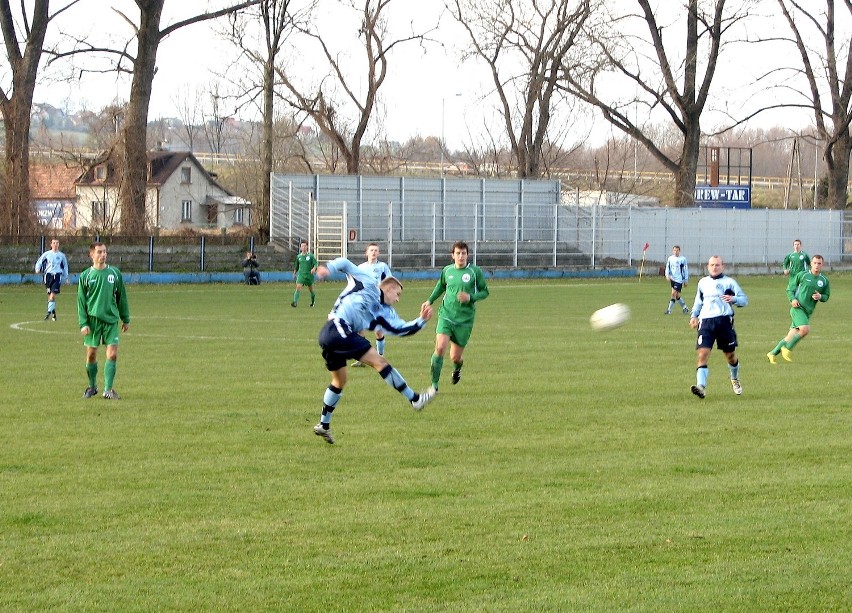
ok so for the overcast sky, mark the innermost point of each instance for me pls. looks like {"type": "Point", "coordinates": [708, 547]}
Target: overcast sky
{"type": "Point", "coordinates": [421, 81]}
{"type": "Point", "coordinates": [424, 91]}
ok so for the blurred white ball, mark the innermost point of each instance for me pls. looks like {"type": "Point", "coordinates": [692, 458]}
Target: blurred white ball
{"type": "Point", "coordinates": [610, 317]}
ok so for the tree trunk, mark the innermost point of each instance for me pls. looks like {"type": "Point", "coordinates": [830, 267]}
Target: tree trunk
{"type": "Point", "coordinates": [17, 216]}
{"type": "Point", "coordinates": [353, 160]}
{"type": "Point", "coordinates": [685, 175]}
{"type": "Point", "coordinates": [134, 173]}
{"type": "Point", "coordinates": [837, 164]}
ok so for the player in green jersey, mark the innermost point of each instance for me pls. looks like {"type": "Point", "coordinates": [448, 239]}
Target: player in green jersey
{"type": "Point", "coordinates": [303, 271]}
{"type": "Point", "coordinates": [804, 291]}
{"type": "Point", "coordinates": [101, 305]}
{"type": "Point", "coordinates": [463, 285]}
{"type": "Point", "coordinates": [797, 260]}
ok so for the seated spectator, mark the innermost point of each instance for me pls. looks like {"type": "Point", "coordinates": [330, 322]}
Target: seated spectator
{"type": "Point", "coordinates": [250, 267]}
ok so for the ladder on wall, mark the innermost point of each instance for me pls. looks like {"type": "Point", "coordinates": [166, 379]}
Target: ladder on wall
{"type": "Point", "coordinates": [330, 240]}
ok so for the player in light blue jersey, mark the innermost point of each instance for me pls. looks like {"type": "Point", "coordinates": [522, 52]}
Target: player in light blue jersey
{"type": "Point", "coordinates": [364, 304]}
{"type": "Point", "coordinates": [54, 266]}
{"type": "Point", "coordinates": [713, 316]}
{"type": "Point", "coordinates": [677, 273]}
{"type": "Point", "coordinates": [380, 271]}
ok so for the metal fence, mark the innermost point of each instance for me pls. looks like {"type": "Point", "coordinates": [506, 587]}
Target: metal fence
{"type": "Point", "coordinates": [144, 253]}
{"type": "Point", "coordinates": [512, 231]}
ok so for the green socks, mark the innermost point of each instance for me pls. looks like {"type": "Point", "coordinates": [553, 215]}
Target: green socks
{"type": "Point", "coordinates": [788, 344]}
{"type": "Point", "coordinates": [92, 372]}
{"type": "Point", "coordinates": [109, 374]}
{"type": "Point", "coordinates": [437, 365]}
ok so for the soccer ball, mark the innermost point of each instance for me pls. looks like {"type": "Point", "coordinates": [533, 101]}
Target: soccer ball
{"type": "Point", "coordinates": [610, 317]}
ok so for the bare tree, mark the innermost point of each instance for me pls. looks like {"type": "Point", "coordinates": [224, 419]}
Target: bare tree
{"type": "Point", "coordinates": [142, 66]}
{"type": "Point", "coordinates": [188, 105]}
{"type": "Point", "coordinates": [215, 127]}
{"type": "Point", "coordinates": [277, 21]}
{"type": "Point", "coordinates": [16, 102]}
{"type": "Point", "coordinates": [828, 72]}
{"type": "Point", "coordinates": [334, 104]}
{"type": "Point", "coordinates": [663, 78]}
{"type": "Point", "coordinates": [525, 46]}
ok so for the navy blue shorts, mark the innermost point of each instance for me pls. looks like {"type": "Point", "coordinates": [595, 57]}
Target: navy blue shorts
{"type": "Point", "coordinates": [340, 344]}
{"type": "Point", "coordinates": [719, 330]}
{"type": "Point", "coordinates": [53, 282]}
{"type": "Point", "coordinates": [677, 286]}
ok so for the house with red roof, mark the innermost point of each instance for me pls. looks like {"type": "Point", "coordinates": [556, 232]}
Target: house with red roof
{"type": "Point", "coordinates": [180, 194]}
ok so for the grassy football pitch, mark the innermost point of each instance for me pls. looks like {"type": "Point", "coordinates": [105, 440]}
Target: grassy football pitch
{"type": "Point", "coordinates": [569, 470]}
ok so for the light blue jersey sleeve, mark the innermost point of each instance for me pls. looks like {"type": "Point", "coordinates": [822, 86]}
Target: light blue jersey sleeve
{"type": "Point", "coordinates": [64, 268]}
{"type": "Point", "coordinates": [41, 263]}
{"type": "Point", "coordinates": [391, 323]}
{"type": "Point", "coordinates": [359, 299]}
{"type": "Point", "coordinates": [360, 303]}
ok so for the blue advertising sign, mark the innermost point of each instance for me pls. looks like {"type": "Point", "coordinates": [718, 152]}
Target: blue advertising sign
{"type": "Point", "coordinates": [723, 196]}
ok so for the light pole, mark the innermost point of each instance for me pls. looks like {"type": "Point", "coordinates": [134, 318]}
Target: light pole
{"type": "Point", "coordinates": [816, 165]}
{"type": "Point", "coordinates": [443, 113]}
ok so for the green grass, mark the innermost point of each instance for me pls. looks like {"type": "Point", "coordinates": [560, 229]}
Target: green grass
{"type": "Point", "coordinates": [569, 470]}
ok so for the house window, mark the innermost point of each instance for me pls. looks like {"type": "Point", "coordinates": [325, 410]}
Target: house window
{"type": "Point", "coordinates": [100, 172]}
{"type": "Point", "coordinates": [186, 210]}
{"type": "Point", "coordinates": [186, 174]}
{"type": "Point", "coordinates": [99, 213]}
{"type": "Point", "coordinates": [240, 216]}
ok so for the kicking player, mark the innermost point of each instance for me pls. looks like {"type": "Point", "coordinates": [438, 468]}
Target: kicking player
{"type": "Point", "coordinates": [363, 305]}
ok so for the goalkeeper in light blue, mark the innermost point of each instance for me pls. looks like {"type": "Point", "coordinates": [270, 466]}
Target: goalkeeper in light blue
{"type": "Point", "coordinates": [713, 317]}
{"type": "Point", "coordinates": [365, 304]}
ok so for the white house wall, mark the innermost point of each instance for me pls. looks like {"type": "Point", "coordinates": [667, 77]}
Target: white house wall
{"type": "Point", "coordinates": [173, 192]}
{"type": "Point", "coordinates": [88, 194]}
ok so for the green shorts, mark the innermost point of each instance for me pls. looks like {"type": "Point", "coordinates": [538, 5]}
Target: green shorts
{"type": "Point", "coordinates": [799, 317]}
{"type": "Point", "coordinates": [459, 334]}
{"type": "Point", "coordinates": [305, 280]}
{"type": "Point", "coordinates": [101, 333]}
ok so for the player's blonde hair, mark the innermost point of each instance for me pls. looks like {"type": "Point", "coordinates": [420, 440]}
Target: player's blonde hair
{"type": "Point", "coordinates": [390, 279]}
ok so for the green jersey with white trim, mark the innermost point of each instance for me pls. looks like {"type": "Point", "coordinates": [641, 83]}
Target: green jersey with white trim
{"type": "Point", "coordinates": [454, 280]}
{"type": "Point", "coordinates": [101, 294]}
{"type": "Point", "coordinates": [796, 262]}
{"type": "Point", "coordinates": [305, 263]}
{"type": "Point", "coordinates": [803, 286]}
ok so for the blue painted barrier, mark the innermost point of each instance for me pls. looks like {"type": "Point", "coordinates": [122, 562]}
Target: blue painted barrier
{"type": "Point", "coordinates": [158, 278]}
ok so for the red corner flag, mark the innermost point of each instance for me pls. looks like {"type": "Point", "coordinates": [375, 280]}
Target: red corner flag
{"type": "Point", "coordinates": [642, 267]}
